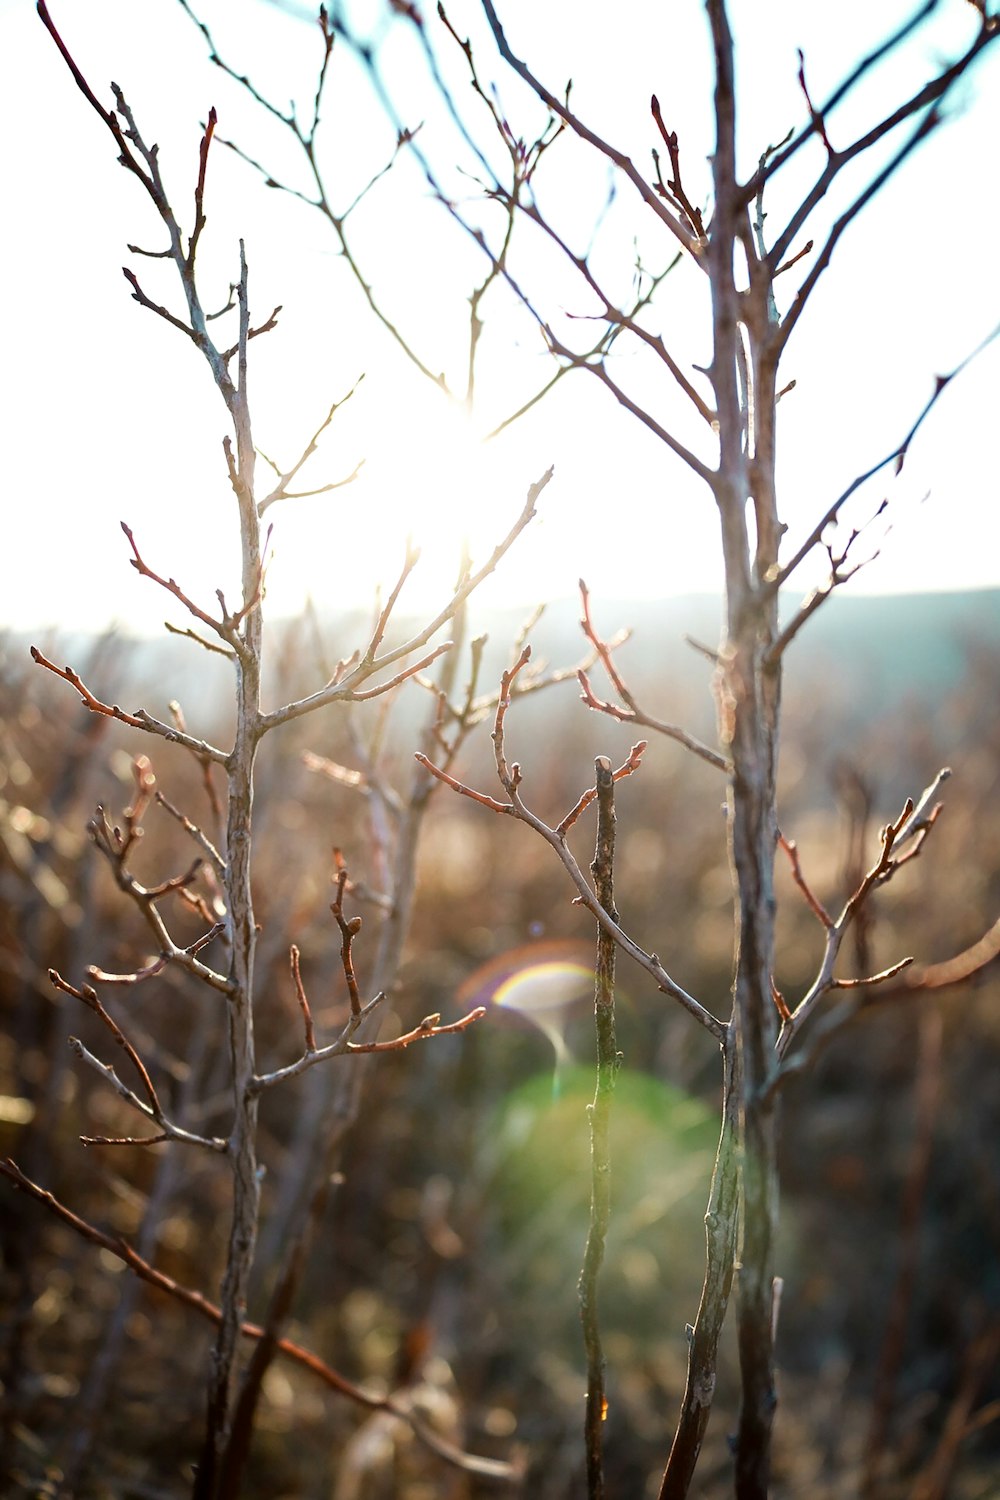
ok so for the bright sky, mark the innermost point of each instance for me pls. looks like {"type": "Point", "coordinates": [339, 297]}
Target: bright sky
{"type": "Point", "coordinates": [110, 416]}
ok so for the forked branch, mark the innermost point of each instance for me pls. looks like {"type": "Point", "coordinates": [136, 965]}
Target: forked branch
{"type": "Point", "coordinates": [911, 827]}
{"type": "Point", "coordinates": [896, 456]}
{"type": "Point", "coordinates": [631, 713]}
{"type": "Point", "coordinates": [360, 1011]}
{"type": "Point", "coordinates": [510, 777]}
{"type": "Point", "coordinates": [350, 685]}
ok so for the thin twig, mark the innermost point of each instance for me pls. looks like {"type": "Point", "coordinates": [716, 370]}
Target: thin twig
{"type": "Point", "coordinates": [631, 713]}
{"type": "Point", "coordinates": [139, 720]}
{"type": "Point", "coordinates": [510, 779]}
{"type": "Point", "coordinates": [904, 828]}
{"type": "Point", "coordinates": [349, 687]}
{"type": "Point", "coordinates": [300, 995]}
{"type": "Point", "coordinates": [897, 456]}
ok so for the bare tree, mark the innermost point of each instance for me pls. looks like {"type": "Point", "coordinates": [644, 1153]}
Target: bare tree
{"type": "Point", "coordinates": [736, 461]}
{"type": "Point", "coordinates": [373, 670]}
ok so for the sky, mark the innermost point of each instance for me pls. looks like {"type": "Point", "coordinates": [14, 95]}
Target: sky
{"type": "Point", "coordinates": [109, 415]}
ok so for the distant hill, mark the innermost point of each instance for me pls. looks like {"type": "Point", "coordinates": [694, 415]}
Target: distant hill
{"type": "Point", "coordinates": [872, 651]}
{"type": "Point", "coordinates": [887, 647]}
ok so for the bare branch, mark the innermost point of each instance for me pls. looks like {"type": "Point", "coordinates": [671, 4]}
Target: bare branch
{"type": "Point", "coordinates": [172, 587]}
{"type": "Point", "coordinates": [168, 1129]}
{"type": "Point", "coordinates": [252, 333]}
{"type": "Point", "coordinates": [839, 574]}
{"type": "Point", "coordinates": [929, 123]}
{"type": "Point", "coordinates": [138, 720]}
{"type": "Point", "coordinates": [461, 788]}
{"type": "Point", "coordinates": [138, 295]}
{"type": "Point", "coordinates": [593, 793]}
{"type": "Point", "coordinates": [674, 185]}
{"type": "Point", "coordinates": [951, 971]}
{"type": "Point", "coordinates": [897, 456]}
{"type": "Point", "coordinates": [88, 995]}
{"type": "Point", "coordinates": [872, 59]}
{"type": "Point", "coordinates": [906, 826]}
{"type": "Point", "coordinates": [619, 321]}
{"type": "Point", "coordinates": [927, 98]}
{"type": "Point", "coordinates": [306, 140]}
{"type": "Point", "coordinates": [870, 979]}
{"type": "Point", "coordinates": [348, 688]}
{"type": "Point", "coordinates": [510, 779]}
{"type": "Point", "coordinates": [201, 839]}
{"type": "Point", "coordinates": [561, 110]}
{"type": "Point", "coordinates": [815, 115]}
{"type": "Point", "coordinates": [281, 491]}
{"type": "Point", "coordinates": [816, 907]}
{"type": "Point", "coordinates": [429, 1027]}
{"type": "Point", "coordinates": [600, 371]}
{"type": "Point", "coordinates": [349, 930]}
{"type": "Point", "coordinates": [631, 713]}
{"type": "Point", "coordinates": [397, 1406]}
{"type": "Point", "coordinates": [116, 851]}
{"type": "Point", "coordinates": [199, 640]}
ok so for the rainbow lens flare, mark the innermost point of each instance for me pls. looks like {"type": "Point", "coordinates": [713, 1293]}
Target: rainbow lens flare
{"type": "Point", "coordinates": [544, 982]}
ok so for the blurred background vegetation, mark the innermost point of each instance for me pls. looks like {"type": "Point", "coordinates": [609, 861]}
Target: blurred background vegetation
{"type": "Point", "coordinates": [450, 1249]}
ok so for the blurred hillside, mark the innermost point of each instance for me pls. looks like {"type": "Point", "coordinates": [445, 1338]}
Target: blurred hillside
{"type": "Point", "coordinates": [872, 651]}
{"type": "Point", "coordinates": [448, 1253]}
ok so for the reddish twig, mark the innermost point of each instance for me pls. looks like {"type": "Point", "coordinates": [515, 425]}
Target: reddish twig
{"type": "Point", "coordinates": [935, 1481]}
{"type": "Point", "coordinates": [139, 720]}
{"type": "Point", "coordinates": [510, 779]}
{"type": "Point", "coordinates": [252, 333]}
{"type": "Point", "coordinates": [349, 929]}
{"type": "Point", "coordinates": [361, 696]}
{"type": "Point", "coordinates": [199, 191]}
{"type": "Point", "coordinates": [428, 1027]}
{"type": "Point", "coordinates": [200, 1304]}
{"type": "Point", "coordinates": [460, 786]}
{"type": "Point", "coordinates": [780, 1003]}
{"type": "Point", "coordinates": [816, 906]}
{"type": "Point", "coordinates": [134, 976]}
{"type": "Point", "coordinates": [172, 587]}
{"type": "Point", "coordinates": [819, 124]}
{"type": "Point", "coordinates": [625, 769]}
{"type": "Point", "coordinates": [631, 713]}
{"type": "Point", "coordinates": [91, 701]}
{"type": "Point", "coordinates": [870, 979]}
{"type": "Point", "coordinates": [913, 824]}
{"type": "Point", "coordinates": [956, 970]}
{"type": "Point", "coordinates": [116, 847]}
{"type": "Point", "coordinates": [673, 190]}
{"type": "Point", "coordinates": [88, 995]}
{"type": "Point", "coordinates": [303, 1000]}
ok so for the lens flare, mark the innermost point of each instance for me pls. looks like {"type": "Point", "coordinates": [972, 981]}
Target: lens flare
{"type": "Point", "coordinates": [543, 988]}
{"type": "Point", "coordinates": [544, 982]}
